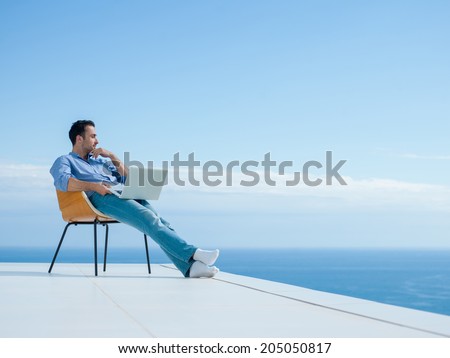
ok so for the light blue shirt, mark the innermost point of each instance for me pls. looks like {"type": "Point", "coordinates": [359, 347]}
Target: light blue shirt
{"type": "Point", "coordinates": [98, 170]}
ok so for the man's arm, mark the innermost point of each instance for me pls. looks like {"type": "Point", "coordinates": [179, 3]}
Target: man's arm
{"type": "Point", "coordinates": [122, 169]}
{"type": "Point", "coordinates": [64, 181]}
{"type": "Point", "coordinates": [79, 185]}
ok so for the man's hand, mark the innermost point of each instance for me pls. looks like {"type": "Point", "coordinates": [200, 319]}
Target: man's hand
{"type": "Point", "coordinates": [101, 188]}
{"type": "Point", "coordinates": [114, 159]}
{"type": "Point", "coordinates": [79, 185]}
{"type": "Point", "coordinates": [103, 152]}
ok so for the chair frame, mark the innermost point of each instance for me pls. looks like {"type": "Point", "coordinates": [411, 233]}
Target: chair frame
{"type": "Point", "coordinates": [98, 219]}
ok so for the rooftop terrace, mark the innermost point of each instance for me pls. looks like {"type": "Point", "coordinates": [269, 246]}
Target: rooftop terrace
{"type": "Point", "coordinates": [127, 302]}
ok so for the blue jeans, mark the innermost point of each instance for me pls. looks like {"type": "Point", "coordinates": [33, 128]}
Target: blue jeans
{"type": "Point", "coordinates": [141, 215]}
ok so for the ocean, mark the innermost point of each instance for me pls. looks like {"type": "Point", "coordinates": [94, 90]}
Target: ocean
{"type": "Point", "coordinates": [418, 279]}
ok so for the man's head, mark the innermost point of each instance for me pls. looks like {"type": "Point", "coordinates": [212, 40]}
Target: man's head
{"type": "Point", "coordinates": [82, 135]}
{"type": "Point", "coordinates": [79, 129]}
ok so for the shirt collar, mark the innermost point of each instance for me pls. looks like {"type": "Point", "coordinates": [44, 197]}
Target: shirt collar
{"type": "Point", "coordinates": [76, 155]}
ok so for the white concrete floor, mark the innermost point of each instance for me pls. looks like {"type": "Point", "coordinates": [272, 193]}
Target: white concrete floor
{"type": "Point", "coordinates": [127, 302]}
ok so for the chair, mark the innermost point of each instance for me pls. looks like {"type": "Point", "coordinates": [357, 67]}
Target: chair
{"type": "Point", "coordinates": [76, 209]}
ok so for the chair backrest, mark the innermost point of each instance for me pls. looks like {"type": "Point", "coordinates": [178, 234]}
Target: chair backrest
{"type": "Point", "coordinates": [75, 206]}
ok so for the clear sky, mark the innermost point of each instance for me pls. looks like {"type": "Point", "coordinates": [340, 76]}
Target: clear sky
{"type": "Point", "coordinates": [233, 80]}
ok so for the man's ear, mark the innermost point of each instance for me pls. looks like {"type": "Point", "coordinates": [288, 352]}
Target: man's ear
{"type": "Point", "coordinates": [79, 138]}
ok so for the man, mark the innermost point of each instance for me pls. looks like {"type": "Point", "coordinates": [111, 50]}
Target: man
{"type": "Point", "coordinates": [93, 170]}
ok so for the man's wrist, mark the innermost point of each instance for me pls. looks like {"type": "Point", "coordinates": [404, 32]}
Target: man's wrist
{"type": "Point", "coordinates": [93, 186]}
{"type": "Point", "coordinates": [114, 158]}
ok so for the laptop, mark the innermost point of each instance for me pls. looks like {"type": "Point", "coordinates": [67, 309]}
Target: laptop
{"type": "Point", "coordinates": [141, 183]}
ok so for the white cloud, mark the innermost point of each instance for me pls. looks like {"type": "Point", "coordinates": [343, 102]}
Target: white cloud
{"type": "Point", "coordinates": [375, 193]}
{"type": "Point", "coordinates": [373, 211]}
{"type": "Point", "coordinates": [28, 182]}
{"type": "Point", "coordinates": [19, 173]}
{"type": "Point", "coordinates": [33, 182]}
{"type": "Point", "coordinates": [425, 157]}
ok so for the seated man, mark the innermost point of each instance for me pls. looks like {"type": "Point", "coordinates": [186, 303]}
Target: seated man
{"type": "Point", "coordinates": [91, 169]}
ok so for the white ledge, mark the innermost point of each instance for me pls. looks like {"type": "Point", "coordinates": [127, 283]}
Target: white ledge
{"type": "Point", "coordinates": [127, 302]}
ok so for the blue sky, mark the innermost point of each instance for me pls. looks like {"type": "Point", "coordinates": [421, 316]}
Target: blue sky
{"type": "Point", "coordinates": [233, 80]}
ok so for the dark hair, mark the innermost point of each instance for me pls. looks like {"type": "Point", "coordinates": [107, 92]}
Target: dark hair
{"type": "Point", "coordinates": [78, 128]}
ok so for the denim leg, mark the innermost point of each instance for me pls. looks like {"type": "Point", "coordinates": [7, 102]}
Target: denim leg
{"type": "Point", "coordinates": [179, 263]}
{"type": "Point", "coordinates": [167, 224]}
{"type": "Point", "coordinates": [145, 219]}
{"type": "Point", "coordinates": [150, 207]}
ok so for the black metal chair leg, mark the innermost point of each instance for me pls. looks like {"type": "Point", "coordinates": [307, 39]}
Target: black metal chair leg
{"type": "Point", "coordinates": [95, 223]}
{"type": "Point", "coordinates": [59, 246]}
{"type": "Point", "coordinates": [95, 247]}
{"type": "Point", "coordinates": [148, 257]}
{"type": "Point", "coordinates": [106, 246]}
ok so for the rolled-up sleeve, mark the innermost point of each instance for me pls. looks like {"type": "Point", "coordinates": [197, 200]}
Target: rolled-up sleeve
{"type": "Point", "coordinates": [61, 172]}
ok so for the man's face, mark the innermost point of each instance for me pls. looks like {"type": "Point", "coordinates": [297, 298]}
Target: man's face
{"type": "Point", "coordinates": [89, 141]}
